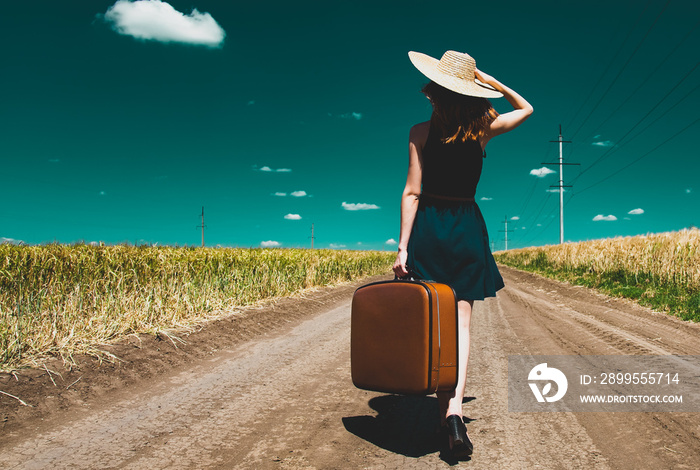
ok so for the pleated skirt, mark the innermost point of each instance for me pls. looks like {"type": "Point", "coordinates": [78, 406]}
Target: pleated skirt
{"type": "Point", "coordinates": [449, 244]}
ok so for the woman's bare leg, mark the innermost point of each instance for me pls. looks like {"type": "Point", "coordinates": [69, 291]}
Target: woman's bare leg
{"type": "Point", "coordinates": [451, 402]}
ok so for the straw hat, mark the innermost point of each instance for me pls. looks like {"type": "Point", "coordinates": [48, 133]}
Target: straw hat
{"type": "Point", "coordinates": [455, 71]}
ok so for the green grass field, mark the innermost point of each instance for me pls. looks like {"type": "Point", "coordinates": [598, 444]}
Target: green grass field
{"type": "Point", "coordinates": [661, 271]}
{"type": "Point", "coordinates": [64, 300]}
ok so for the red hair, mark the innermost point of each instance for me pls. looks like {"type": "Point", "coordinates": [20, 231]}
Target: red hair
{"type": "Point", "coordinates": [460, 117]}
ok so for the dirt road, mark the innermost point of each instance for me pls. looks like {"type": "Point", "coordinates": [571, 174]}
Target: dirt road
{"type": "Point", "coordinates": [283, 398]}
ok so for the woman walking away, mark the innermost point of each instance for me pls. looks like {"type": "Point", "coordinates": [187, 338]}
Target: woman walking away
{"type": "Point", "coordinates": [443, 235]}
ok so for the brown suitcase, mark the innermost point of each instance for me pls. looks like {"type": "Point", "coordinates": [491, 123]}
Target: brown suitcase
{"type": "Point", "coordinates": [404, 337]}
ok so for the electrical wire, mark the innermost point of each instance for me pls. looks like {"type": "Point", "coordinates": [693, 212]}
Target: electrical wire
{"type": "Point", "coordinates": [629, 59]}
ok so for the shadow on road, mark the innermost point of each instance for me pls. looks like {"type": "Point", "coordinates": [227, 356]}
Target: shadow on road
{"type": "Point", "coordinates": [406, 425]}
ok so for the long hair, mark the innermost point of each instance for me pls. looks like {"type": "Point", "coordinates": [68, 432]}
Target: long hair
{"type": "Point", "coordinates": [460, 117]}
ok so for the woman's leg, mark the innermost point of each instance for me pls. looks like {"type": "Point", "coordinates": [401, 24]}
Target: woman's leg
{"type": "Point", "coordinates": [451, 402]}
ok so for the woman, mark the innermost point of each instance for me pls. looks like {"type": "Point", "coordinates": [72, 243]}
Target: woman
{"type": "Point", "coordinates": [443, 236]}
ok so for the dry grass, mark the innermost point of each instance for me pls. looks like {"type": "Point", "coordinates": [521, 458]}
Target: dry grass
{"type": "Point", "coordinates": [660, 270]}
{"type": "Point", "coordinates": [64, 300]}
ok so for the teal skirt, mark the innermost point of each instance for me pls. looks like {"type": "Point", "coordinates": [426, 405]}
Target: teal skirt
{"type": "Point", "coordinates": [449, 244]}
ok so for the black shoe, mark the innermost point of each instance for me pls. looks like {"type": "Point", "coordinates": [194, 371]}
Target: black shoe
{"type": "Point", "coordinates": [460, 445]}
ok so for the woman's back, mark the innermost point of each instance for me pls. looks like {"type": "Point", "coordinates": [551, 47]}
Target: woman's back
{"type": "Point", "coordinates": [450, 169]}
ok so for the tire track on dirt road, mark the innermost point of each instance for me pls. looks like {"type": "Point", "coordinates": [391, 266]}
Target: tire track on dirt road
{"type": "Point", "coordinates": [287, 401]}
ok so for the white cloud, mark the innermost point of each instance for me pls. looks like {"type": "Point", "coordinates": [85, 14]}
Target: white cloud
{"type": "Point", "coordinates": [335, 246]}
{"type": "Point", "coordinates": [486, 199]}
{"type": "Point", "coordinates": [597, 136]}
{"type": "Point", "coordinates": [267, 169]}
{"type": "Point", "coordinates": [359, 207]}
{"type": "Point", "coordinates": [54, 160]}
{"type": "Point", "coordinates": [279, 194]}
{"type": "Point", "coordinates": [292, 217]}
{"type": "Point", "coordinates": [356, 116]}
{"type": "Point", "coordinates": [102, 193]}
{"type": "Point", "coordinates": [515, 217]}
{"type": "Point", "coordinates": [604, 143]}
{"type": "Point", "coordinates": [10, 241]}
{"type": "Point", "coordinates": [251, 102]}
{"type": "Point", "coordinates": [298, 193]}
{"type": "Point", "coordinates": [269, 244]}
{"type": "Point", "coordinates": [600, 217]}
{"type": "Point", "coordinates": [539, 225]}
{"type": "Point", "coordinates": [391, 241]}
{"type": "Point", "coordinates": [636, 211]}
{"type": "Point", "coordinates": [158, 21]}
{"type": "Point", "coordinates": [688, 190]}
{"type": "Point", "coordinates": [541, 172]}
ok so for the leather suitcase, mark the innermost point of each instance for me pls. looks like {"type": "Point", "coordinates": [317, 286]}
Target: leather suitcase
{"type": "Point", "coordinates": [404, 337]}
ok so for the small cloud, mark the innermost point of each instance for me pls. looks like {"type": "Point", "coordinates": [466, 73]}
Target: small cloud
{"type": "Point", "coordinates": [600, 217]}
{"type": "Point", "coordinates": [391, 241]}
{"type": "Point", "coordinates": [102, 193]}
{"type": "Point", "coordinates": [515, 217]}
{"type": "Point", "coordinates": [523, 228]}
{"type": "Point", "coordinates": [541, 172]}
{"type": "Point", "coordinates": [359, 206]}
{"type": "Point", "coordinates": [486, 199]}
{"type": "Point", "coordinates": [251, 102]}
{"type": "Point", "coordinates": [54, 160]}
{"type": "Point", "coordinates": [539, 225]}
{"type": "Point", "coordinates": [636, 211]}
{"type": "Point", "coordinates": [598, 136]}
{"type": "Point", "coordinates": [292, 217]}
{"type": "Point", "coordinates": [604, 143]}
{"type": "Point", "coordinates": [10, 241]}
{"type": "Point", "coordinates": [298, 193]}
{"type": "Point", "coordinates": [269, 244]}
{"type": "Point", "coordinates": [336, 246]}
{"type": "Point", "coordinates": [355, 116]}
{"type": "Point", "coordinates": [688, 190]}
{"type": "Point", "coordinates": [267, 169]}
{"type": "Point", "coordinates": [155, 20]}
{"type": "Point", "coordinates": [279, 194]}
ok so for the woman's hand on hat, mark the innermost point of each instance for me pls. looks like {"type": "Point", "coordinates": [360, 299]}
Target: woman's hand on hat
{"type": "Point", "coordinates": [483, 77]}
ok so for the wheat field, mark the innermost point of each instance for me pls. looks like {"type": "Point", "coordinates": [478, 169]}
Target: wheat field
{"type": "Point", "coordinates": [660, 270]}
{"type": "Point", "coordinates": [60, 299]}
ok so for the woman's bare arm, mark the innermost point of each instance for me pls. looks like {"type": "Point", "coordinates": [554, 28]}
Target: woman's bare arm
{"type": "Point", "coordinates": [507, 121]}
{"type": "Point", "coordinates": [411, 193]}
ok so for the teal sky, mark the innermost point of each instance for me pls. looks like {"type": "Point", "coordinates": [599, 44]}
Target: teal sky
{"type": "Point", "coordinates": [105, 136]}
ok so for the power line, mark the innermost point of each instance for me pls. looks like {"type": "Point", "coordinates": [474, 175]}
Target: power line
{"type": "Point", "coordinates": [202, 226]}
{"type": "Point", "coordinates": [629, 59]}
{"type": "Point", "coordinates": [506, 231]}
{"type": "Point", "coordinates": [561, 184]}
{"type": "Point", "coordinates": [644, 155]}
{"type": "Point", "coordinates": [641, 120]}
{"type": "Point", "coordinates": [612, 61]}
{"type": "Point", "coordinates": [648, 77]}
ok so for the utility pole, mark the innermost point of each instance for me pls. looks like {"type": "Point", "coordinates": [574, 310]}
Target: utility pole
{"type": "Point", "coordinates": [312, 236]}
{"type": "Point", "coordinates": [506, 231]}
{"type": "Point", "coordinates": [561, 184]}
{"type": "Point", "coordinates": [202, 226]}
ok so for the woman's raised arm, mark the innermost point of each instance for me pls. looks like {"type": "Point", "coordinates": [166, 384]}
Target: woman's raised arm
{"type": "Point", "coordinates": [507, 121]}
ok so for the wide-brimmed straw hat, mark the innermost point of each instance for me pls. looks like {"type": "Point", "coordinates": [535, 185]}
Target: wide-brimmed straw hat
{"type": "Point", "coordinates": [454, 71]}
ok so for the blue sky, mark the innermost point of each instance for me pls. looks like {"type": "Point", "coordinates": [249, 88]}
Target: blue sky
{"type": "Point", "coordinates": [121, 120]}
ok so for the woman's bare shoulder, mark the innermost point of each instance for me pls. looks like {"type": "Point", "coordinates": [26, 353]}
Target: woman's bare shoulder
{"type": "Point", "coordinates": [419, 133]}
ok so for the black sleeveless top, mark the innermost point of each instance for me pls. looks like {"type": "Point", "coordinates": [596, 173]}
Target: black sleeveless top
{"type": "Point", "coordinates": [453, 169]}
